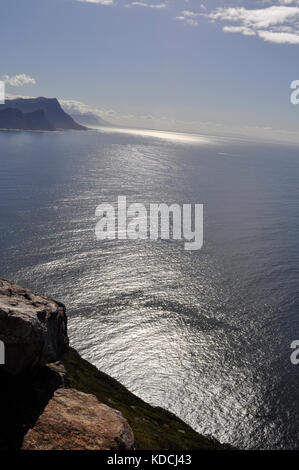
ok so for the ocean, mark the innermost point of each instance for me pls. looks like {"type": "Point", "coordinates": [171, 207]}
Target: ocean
{"type": "Point", "coordinates": [205, 334]}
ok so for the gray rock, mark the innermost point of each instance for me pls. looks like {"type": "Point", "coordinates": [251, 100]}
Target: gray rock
{"type": "Point", "coordinates": [73, 420]}
{"type": "Point", "coordinates": [33, 328]}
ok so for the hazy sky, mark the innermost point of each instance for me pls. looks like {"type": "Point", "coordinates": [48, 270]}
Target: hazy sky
{"type": "Point", "coordinates": [183, 64]}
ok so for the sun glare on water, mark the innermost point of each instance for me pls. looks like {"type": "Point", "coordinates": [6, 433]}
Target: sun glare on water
{"type": "Point", "coordinates": [165, 135]}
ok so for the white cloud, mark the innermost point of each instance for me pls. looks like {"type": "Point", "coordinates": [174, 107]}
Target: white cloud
{"type": "Point", "coordinates": [280, 37]}
{"type": "Point", "coordinates": [276, 23]}
{"type": "Point", "coordinates": [78, 107]}
{"type": "Point", "coordinates": [147, 5]}
{"type": "Point", "coordinates": [258, 18]}
{"type": "Point", "coordinates": [132, 4]}
{"type": "Point", "coordinates": [188, 17]}
{"type": "Point", "coordinates": [19, 80]}
{"type": "Point", "coordinates": [99, 2]}
{"type": "Point", "coordinates": [239, 29]}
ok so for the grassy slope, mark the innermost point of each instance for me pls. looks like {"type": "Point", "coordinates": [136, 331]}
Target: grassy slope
{"type": "Point", "coordinates": [154, 428]}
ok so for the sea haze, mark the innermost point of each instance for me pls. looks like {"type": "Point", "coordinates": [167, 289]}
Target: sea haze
{"type": "Point", "coordinates": [205, 334]}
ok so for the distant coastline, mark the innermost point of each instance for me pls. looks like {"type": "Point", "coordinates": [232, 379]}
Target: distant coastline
{"type": "Point", "coordinates": [36, 114]}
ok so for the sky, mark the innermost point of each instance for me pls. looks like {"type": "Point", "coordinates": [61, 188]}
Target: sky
{"type": "Point", "coordinates": [191, 65]}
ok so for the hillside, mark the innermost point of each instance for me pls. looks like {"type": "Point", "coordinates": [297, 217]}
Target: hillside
{"type": "Point", "coordinates": [11, 118]}
{"type": "Point", "coordinates": [53, 113]}
{"type": "Point", "coordinates": [51, 398]}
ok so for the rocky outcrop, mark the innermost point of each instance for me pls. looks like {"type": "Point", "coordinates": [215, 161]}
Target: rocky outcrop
{"type": "Point", "coordinates": [14, 119]}
{"type": "Point", "coordinates": [38, 410]}
{"type": "Point", "coordinates": [69, 403]}
{"type": "Point", "coordinates": [74, 420]}
{"type": "Point", "coordinates": [33, 329]}
{"type": "Point", "coordinates": [52, 112]}
{"type": "Point", "coordinates": [153, 427]}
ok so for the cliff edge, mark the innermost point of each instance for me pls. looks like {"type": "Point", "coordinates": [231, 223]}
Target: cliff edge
{"type": "Point", "coordinates": [41, 113]}
{"type": "Point", "coordinates": [52, 399]}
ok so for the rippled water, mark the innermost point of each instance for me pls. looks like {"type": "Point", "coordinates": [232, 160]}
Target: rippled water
{"type": "Point", "coordinates": [205, 334]}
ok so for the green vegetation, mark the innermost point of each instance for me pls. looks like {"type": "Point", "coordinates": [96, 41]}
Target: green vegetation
{"type": "Point", "coordinates": [153, 427]}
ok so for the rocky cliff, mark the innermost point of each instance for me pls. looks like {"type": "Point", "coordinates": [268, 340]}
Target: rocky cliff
{"type": "Point", "coordinates": [32, 327]}
{"type": "Point", "coordinates": [51, 398]}
{"type": "Point", "coordinates": [50, 112]}
{"type": "Point", "coordinates": [11, 118]}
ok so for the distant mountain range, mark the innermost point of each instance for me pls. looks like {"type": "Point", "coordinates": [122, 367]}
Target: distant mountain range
{"type": "Point", "coordinates": [89, 119]}
{"type": "Point", "coordinates": [43, 114]}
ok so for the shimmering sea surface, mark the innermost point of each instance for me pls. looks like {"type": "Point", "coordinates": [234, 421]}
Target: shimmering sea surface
{"type": "Point", "coordinates": [205, 334]}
